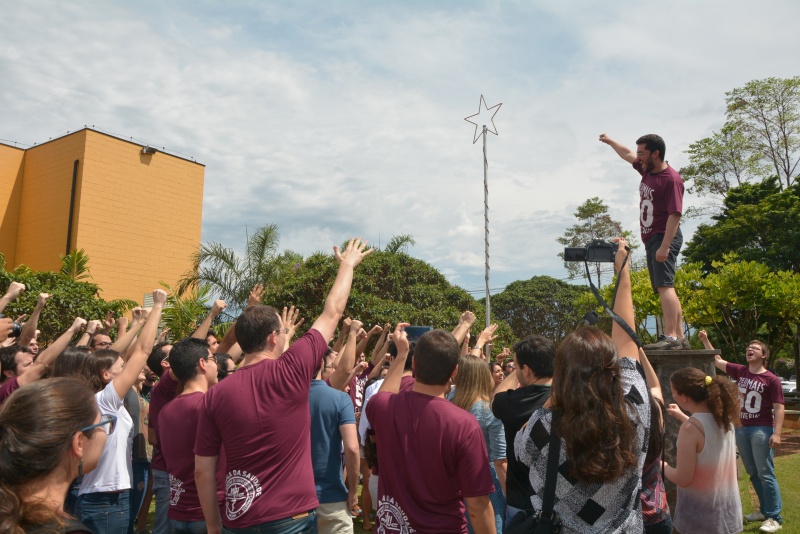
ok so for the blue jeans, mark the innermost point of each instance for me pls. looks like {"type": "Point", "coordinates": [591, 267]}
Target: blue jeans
{"type": "Point", "coordinates": [106, 512]}
{"type": "Point", "coordinates": [161, 497]}
{"type": "Point", "coordinates": [187, 527]}
{"type": "Point", "coordinates": [140, 476]}
{"type": "Point", "coordinates": [757, 457]}
{"type": "Point", "coordinates": [301, 525]}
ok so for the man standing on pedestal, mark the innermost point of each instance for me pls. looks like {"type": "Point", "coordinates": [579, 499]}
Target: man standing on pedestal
{"type": "Point", "coordinates": [660, 207]}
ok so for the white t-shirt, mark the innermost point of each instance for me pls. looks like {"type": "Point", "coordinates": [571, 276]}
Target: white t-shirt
{"type": "Point", "coordinates": [363, 424]}
{"type": "Point", "coordinates": [113, 472]}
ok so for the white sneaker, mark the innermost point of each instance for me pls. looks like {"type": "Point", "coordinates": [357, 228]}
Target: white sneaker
{"type": "Point", "coordinates": [755, 516]}
{"type": "Point", "coordinates": [770, 525]}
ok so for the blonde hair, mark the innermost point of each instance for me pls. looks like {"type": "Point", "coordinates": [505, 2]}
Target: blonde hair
{"type": "Point", "coordinates": [473, 382]}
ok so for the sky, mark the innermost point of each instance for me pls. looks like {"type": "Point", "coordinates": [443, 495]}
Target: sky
{"type": "Point", "coordinates": [346, 118]}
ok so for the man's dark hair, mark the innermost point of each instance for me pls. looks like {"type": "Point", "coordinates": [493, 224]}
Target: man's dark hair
{"type": "Point", "coordinates": [184, 356]}
{"type": "Point", "coordinates": [8, 359]}
{"type": "Point", "coordinates": [157, 354]}
{"type": "Point", "coordinates": [435, 357]}
{"type": "Point", "coordinates": [653, 142]}
{"type": "Point", "coordinates": [222, 365]}
{"type": "Point", "coordinates": [254, 325]}
{"type": "Point", "coordinates": [538, 353]}
{"type": "Point", "coordinates": [393, 353]}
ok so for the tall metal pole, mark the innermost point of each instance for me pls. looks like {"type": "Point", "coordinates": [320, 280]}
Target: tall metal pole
{"type": "Point", "coordinates": [486, 227]}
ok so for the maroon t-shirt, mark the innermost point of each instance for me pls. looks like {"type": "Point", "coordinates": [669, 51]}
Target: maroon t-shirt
{"type": "Point", "coordinates": [163, 392]}
{"type": "Point", "coordinates": [7, 388]}
{"type": "Point", "coordinates": [432, 455]}
{"type": "Point", "coordinates": [178, 428]}
{"type": "Point", "coordinates": [261, 415]}
{"type": "Point", "coordinates": [407, 383]}
{"type": "Point", "coordinates": [660, 194]}
{"type": "Point", "coordinates": [757, 394]}
{"type": "Point", "coordinates": [357, 386]}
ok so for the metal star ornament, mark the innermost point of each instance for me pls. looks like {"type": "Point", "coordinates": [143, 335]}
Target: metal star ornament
{"type": "Point", "coordinates": [479, 122]}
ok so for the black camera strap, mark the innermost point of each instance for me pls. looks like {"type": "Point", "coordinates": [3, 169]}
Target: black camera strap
{"type": "Point", "coordinates": [609, 310]}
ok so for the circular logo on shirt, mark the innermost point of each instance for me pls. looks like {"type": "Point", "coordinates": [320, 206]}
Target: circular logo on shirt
{"type": "Point", "coordinates": [240, 489]}
{"type": "Point", "coordinates": [391, 518]}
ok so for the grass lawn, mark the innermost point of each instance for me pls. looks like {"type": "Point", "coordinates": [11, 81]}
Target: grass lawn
{"type": "Point", "coordinates": [786, 469]}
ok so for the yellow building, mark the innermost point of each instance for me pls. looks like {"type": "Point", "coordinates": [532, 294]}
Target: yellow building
{"type": "Point", "coordinates": [136, 214]}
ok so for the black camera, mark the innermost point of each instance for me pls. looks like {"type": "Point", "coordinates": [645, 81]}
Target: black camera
{"type": "Point", "coordinates": [16, 328]}
{"type": "Point", "coordinates": [598, 251]}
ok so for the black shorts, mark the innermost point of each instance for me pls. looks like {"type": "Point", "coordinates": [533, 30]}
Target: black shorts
{"type": "Point", "coordinates": [662, 273]}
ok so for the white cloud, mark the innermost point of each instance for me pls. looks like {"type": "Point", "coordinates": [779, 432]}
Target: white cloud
{"type": "Point", "coordinates": [336, 119]}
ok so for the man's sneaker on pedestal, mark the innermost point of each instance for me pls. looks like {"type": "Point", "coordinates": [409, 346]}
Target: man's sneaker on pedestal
{"type": "Point", "coordinates": [685, 345]}
{"type": "Point", "coordinates": [665, 343]}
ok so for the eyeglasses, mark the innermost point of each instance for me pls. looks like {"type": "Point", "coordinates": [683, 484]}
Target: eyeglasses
{"type": "Point", "coordinates": [103, 344]}
{"type": "Point", "coordinates": [105, 419]}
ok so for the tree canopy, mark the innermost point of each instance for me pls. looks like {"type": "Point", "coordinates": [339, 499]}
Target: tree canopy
{"type": "Point", "coordinates": [541, 305]}
{"type": "Point", "coordinates": [759, 221]}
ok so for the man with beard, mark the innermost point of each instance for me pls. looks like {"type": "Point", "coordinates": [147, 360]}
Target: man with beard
{"type": "Point", "coordinates": [660, 208]}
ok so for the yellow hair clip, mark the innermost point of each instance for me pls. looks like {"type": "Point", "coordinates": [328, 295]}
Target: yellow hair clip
{"type": "Point", "coordinates": [708, 381]}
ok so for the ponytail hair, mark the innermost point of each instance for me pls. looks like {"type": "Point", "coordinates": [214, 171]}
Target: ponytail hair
{"type": "Point", "coordinates": [718, 392]}
{"type": "Point", "coordinates": [37, 425]}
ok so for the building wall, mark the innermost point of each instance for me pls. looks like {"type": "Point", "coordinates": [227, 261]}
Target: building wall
{"type": "Point", "coordinates": [11, 161]}
{"type": "Point", "coordinates": [45, 201]}
{"type": "Point", "coordinates": [138, 217]}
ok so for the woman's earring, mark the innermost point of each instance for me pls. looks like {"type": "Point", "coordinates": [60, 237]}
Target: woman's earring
{"type": "Point", "coordinates": [80, 467]}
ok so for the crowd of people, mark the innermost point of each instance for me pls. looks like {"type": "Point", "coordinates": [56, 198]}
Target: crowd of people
{"type": "Point", "coordinates": [258, 432]}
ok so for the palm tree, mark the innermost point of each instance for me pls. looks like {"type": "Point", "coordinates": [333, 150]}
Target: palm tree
{"type": "Point", "coordinates": [75, 265]}
{"type": "Point", "coordinates": [230, 277]}
{"type": "Point", "coordinates": [400, 243]}
{"type": "Point", "coordinates": [185, 310]}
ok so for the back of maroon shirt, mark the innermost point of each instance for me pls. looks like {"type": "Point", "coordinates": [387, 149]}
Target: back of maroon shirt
{"type": "Point", "coordinates": [432, 455]}
{"type": "Point", "coordinates": [163, 392]}
{"type": "Point", "coordinates": [261, 415]}
{"type": "Point", "coordinates": [177, 430]}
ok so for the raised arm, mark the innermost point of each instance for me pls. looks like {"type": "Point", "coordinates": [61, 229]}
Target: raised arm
{"type": "Point", "coordinates": [719, 363]}
{"type": "Point", "coordinates": [395, 375]}
{"type": "Point", "coordinates": [341, 376]}
{"type": "Point", "coordinates": [138, 358]}
{"type": "Point", "coordinates": [465, 322]}
{"type": "Point", "coordinates": [49, 355]}
{"type": "Point", "coordinates": [485, 338]}
{"type": "Point", "coordinates": [382, 345]}
{"type": "Point", "coordinates": [29, 329]}
{"type": "Point", "coordinates": [91, 330]}
{"type": "Point", "coordinates": [353, 254]}
{"type": "Point", "coordinates": [124, 341]}
{"type": "Point", "coordinates": [216, 309]}
{"type": "Point", "coordinates": [290, 321]}
{"type": "Point", "coordinates": [344, 331]}
{"type": "Point", "coordinates": [13, 291]}
{"type": "Point", "coordinates": [651, 377]}
{"type": "Point", "coordinates": [362, 344]}
{"type": "Point", "coordinates": [623, 306]}
{"type": "Point", "coordinates": [622, 151]}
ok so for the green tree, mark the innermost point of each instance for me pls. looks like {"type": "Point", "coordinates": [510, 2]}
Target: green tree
{"type": "Point", "coordinates": [400, 243]}
{"type": "Point", "coordinates": [231, 277]}
{"type": "Point", "coordinates": [75, 265]}
{"type": "Point", "coordinates": [759, 221]}
{"type": "Point", "coordinates": [719, 163]}
{"type": "Point", "coordinates": [387, 286]}
{"type": "Point", "coordinates": [594, 223]}
{"type": "Point", "coordinates": [70, 298]}
{"type": "Point", "coordinates": [541, 305]}
{"type": "Point", "coordinates": [767, 113]}
{"type": "Point", "coordinates": [184, 310]}
{"type": "Point", "coordinates": [739, 301]}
